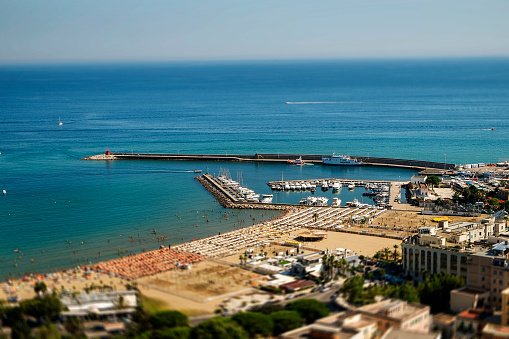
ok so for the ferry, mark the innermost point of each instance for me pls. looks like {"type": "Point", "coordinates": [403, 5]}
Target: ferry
{"type": "Point", "coordinates": [340, 160]}
{"type": "Point", "coordinates": [298, 161]}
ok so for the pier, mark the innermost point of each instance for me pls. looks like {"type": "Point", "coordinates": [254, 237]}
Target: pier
{"type": "Point", "coordinates": [227, 198]}
{"type": "Point", "coordinates": [419, 165]}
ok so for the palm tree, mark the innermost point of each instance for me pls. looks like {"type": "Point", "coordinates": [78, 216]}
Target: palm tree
{"type": "Point", "coordinates": [386, 252]}
{"type": "Point", "coordinates": [120, 303]}
{"type": "Point", "coordinates": [344, 265]}
{"type": "Point", "coordinates": [382, 272]}
{"type": "Point", "coordinates": [331, 266]}
{"type": "Point", "coordinates": [395, 252]}
{"type": "Point", "coordinates": [315, 216]}
{"type": "Point", "coordinates": [241, 258]}
{"type": "Point", "coordinates": [370, 276]}
{"type": "Point", "coordinates": [337, 264]}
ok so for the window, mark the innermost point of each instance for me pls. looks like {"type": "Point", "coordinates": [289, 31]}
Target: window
{"type": "Point", "coordinates": [484, 269]}
{"type": "Point", "coordinates": [483, 277]}
{"type": "Point", "coordinates": [500, 282]}
{"type": "Point", "coordinates": [495, 272]}
{"type": "Point", "coordinates": [501, 273]}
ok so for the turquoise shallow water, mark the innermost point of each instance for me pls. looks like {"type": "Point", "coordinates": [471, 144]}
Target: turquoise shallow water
{"type": "Point", "coordinates": [404, 109]}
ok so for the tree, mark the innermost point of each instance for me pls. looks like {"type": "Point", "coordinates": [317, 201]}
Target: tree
{"type": "Point", "coordinates": [309, 309]}
{"type": "Point", "coordinates": [40, 286]}
{"type": "Point", "coordinates": [20, 330]}
{"type": "Point", "coordinates": [120, 303]}
{"type": "Point", "coordinates": [494, 202]}
{"type": "Point", "coordinates": [382, 273]}
{"type": "Point", "coordinates": [331, 266]}
{"type": "Point", "coordinates": [268, 308]}
{"type": "Point", "coordinates": [45, 308]}
{"type": "Point", "coordinates": [433, 180]}
{"type": "Point", "coordinates": [285, 321]}
{"type": "Point", "coordinates": [49, 331]}
{"type": "Point", "coordinates": [435, 291]}
{"type": "Point", "coordinates": [344, 265]}
{"type": "Point", "coordinates": [218, 328]}
{"type": "Point", "coordinates": [254, 323]}
{"type": "Point", "coordinates": [168, 319]}
{"type": "Point", "coordinates": [406, 292]}
{"type": "Point", "coordinates": [353, 289]}
{"type": "Point", "coordinates": [386, 252]}
{"type": "Point", "coordinates": [74, 326]}
{"type": "Point", "coordinates": [315, 216]}
{"type": "Point", "coordinates": [179, 332]}
{"type": "Point", "coordinates": [395, 255]}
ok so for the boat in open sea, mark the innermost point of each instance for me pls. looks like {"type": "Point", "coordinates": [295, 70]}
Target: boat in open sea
{"type": "Point", "coordinates": [340, 160]}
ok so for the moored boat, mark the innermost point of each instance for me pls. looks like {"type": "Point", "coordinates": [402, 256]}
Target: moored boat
{"type": "Point", "coordinates": [266, 198]}
{"type": "Point", "coordinates": [340, 160]}
{"type": "Point", "coordinates": [297, 161]}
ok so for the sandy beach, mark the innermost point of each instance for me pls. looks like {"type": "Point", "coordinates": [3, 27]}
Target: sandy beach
{"type": "Point", "coordinates": [197, 283]}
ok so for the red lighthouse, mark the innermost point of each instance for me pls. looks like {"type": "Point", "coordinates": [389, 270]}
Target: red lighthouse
{"type": "Point", "coordinates": [107, 151]}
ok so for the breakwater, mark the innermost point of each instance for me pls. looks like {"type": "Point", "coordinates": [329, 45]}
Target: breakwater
{"type": "Point", "coordinates": [281, 158]}
{"type": "Point", "coordinates": [228, 200]}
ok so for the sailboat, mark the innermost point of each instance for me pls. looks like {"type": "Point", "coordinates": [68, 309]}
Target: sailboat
{"type": "Point", "coordinates": [60, 123]}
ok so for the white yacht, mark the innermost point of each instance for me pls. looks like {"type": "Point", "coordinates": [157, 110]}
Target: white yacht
{"type": "Point", "coordinates": [336, 186]}
{"type": "Point", "coordinates": [336, 202]}
{"type": "Point", "coordinates": [351, 186]}
{"type": "Point", "coordinates": [340, 160]}
{"type": "Point", "coordinates": [322, 201]}
{"type": "Point", "coordinates": [266, 198]}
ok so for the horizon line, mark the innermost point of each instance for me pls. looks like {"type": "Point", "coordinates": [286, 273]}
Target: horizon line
{"type": "Point", "coordinates": [239, 61]}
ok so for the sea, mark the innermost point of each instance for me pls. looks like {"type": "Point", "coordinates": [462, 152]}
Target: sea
{"type": "Point", "coordinates": [60, 211]}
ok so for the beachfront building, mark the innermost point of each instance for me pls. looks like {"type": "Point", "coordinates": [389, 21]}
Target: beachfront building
{"type": "Point", "coordinates": [428, 252]}
{"type": "Point", "coordinates": [489, 271]}
{"type": "Point", "coordinates": [474, 231]}
{"type": "Point", "coordinates": [399, 314]}
{"type": "Point", "coordinates": [352, 325]}
{"type": "Point", "coordinates": [371, 321]}
{"type": "Point", "coordinates": [103, 304]}
{"type": "Point", "coordinates": [447, 248]}
{"type": "Point", "coordinates": [397, 333]}
{"type": "Point", "coordinates": [311, 263]}
{"type": "Point", "coordinates": [494, 331]}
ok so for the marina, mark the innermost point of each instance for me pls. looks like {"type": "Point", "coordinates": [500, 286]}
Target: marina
{"type": "Point", "coordinates": [231, 194]}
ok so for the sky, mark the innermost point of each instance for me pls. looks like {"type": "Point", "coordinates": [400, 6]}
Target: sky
{"type": "Point", "coordinates": [73, 31]}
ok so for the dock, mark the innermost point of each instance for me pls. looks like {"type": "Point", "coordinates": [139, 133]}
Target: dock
{"type": "Point", "coordinates": [228, 199]}
{"type": "Point", "coordinates": [419, 165]}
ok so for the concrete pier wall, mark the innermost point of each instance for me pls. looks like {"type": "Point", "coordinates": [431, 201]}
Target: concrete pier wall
{"type": "Point", "coordinates": [283, 158]}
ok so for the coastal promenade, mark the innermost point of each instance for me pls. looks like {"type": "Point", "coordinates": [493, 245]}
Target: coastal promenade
{"type": "Point", "coordinates": [278, 158]}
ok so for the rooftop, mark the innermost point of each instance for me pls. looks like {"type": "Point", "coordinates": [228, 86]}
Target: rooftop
{"type": "Point", "coordinates": [393, 308]}
{"type": "Point", "coordinates": [444, 318]}
{"type": "Point", "coordinates": [471, 314]}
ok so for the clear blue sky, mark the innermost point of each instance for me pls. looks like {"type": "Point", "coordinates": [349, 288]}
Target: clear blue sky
{"type": "Point", "coordinates": [40, 31]}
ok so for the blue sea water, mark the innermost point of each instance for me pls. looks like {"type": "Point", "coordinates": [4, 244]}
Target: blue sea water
{"type": "Point", "coordinates": [416, 109]}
